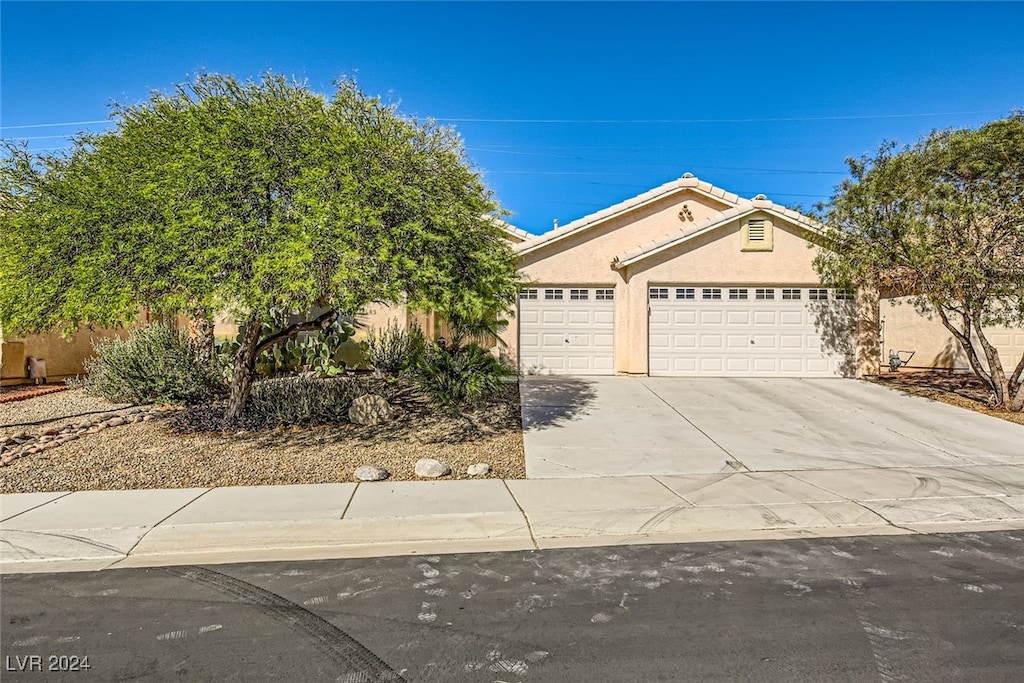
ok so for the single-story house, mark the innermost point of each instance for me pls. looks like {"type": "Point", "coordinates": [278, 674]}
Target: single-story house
{"type": "Point", "coordinates": [688, 279]}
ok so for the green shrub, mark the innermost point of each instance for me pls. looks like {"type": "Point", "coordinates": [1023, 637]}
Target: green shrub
{"type": "Point", "coordinates": [302, 400]}
{"type": "Point", "coordinates": [394, 351]}
{"type": "Point", "coordinates": [154, 364]}
{"type": "Point", "coordinates": [460, 375]}
{"type": "Point", "coordinates": [310, 352]}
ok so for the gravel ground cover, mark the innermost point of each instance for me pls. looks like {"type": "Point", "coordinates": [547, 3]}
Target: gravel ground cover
{"type": "Point", "coordinates": [959, 389]}
{"type": "Point", "coordinates": [151, 455]}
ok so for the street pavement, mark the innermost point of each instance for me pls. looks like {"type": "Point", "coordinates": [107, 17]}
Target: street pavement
{"type": "Point", "coordinates": [629, 461]}
{"type": "Point", "coordinates": [942, 607]}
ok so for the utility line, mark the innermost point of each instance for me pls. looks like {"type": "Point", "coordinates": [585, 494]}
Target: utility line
{"type": "Point", "coordinates": [56, 125]}
{"type": "Point", "coordinates": [688, 121]}
{"type": "Point", "coordinates": [859, 117]}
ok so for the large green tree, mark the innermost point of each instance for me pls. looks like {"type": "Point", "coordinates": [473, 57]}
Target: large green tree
{"type": "Point", "coordinates": [261, 198]}
{"type": "Point", "coordinates": [941, 222]}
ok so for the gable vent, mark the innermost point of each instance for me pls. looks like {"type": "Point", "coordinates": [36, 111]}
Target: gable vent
{"type": "Point", "coordinates": [756, 230]}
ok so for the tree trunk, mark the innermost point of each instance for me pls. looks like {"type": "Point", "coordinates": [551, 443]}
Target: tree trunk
{"type": "Point", "coordinates": [964, 337]}
{"type": "Point", "coordinates": [1000, 382]}
{"type": "Point", "coordinates": [1017, 386]}
{"type": "Point", "coordinates": [245, 369]}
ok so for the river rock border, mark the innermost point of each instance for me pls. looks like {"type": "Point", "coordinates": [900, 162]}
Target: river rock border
{"type": "Point", "coordinates": [23, 444]}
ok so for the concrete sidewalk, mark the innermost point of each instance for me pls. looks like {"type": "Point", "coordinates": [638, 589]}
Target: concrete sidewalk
{"type": "Point", "coordinates": [105, 529]}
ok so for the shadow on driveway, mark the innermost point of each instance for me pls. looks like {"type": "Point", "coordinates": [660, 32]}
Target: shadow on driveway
{"type": "Point", "coordinates": [551, 401]}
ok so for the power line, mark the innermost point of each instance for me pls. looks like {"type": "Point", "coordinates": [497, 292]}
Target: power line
{"type": "Point", "coordinates": [56, 125]}
{"type": "Point", "coordinates": [626, 173]}
{"type": "Point", "coordinates": [689, 121]}
{"type": "Point", "coordinates": [858, 117]}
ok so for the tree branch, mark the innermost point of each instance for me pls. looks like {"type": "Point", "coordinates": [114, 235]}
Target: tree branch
{"type": "Point", "coordinates": [320, 323]}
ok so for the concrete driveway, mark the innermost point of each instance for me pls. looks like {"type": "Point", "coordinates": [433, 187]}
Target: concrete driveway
{"type": "Point", "coordinates": [611, 426]}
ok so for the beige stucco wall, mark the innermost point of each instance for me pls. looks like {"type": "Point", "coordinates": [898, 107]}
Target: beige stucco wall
{"type": "Point", "coordinates": [904, 329]}
{"type": "Point", "coordinates": [585, 257]}
{"type": "Point", "coordinates": [64, 357]}
{"type": "Point", "coordinates": [715, 258]}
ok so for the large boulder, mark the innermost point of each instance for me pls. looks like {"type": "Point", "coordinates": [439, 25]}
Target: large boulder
{"type": "Point", "coordinates": [370, 409]}
{"type": "Point", "coordinates": [428, 468]}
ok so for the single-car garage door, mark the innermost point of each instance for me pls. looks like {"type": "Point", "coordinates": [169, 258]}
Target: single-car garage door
{"type": "Point", "coordinates": [747, 331]}
{"type": "Point", "coordinates": [567, 330]}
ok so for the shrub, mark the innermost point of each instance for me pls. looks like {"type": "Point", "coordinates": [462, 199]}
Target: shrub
{"type": "Point", "coordinates": [318, 352]}
{"type": "Point", "coordinates": [302, 400]}
{"type": "Point", "coordinates": [460, 375]}
{"type": "Point", "coordinates": [394, 351]}
{"type": "Point", "coordinates": [154, 363]}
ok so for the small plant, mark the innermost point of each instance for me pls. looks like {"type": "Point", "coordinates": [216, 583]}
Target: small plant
{"type": "Point", "coordinates": [459, 375]}
{"type": "Point", "coordinates": [394, 351]}
{"type": "Point", "coordinates": [302, 400]}
{"type": "Point", "coordinates": [154, 363]}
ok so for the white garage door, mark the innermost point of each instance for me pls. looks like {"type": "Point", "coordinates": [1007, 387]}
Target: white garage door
{"type": "Point", "coordinates": [566, 330]}
{"type": "Point", "coordinates": [745, 331]}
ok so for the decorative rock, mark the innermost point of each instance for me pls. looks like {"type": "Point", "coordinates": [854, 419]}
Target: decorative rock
{"type": "Point", "coordinates": [50, 432]}
{"type": "Point", "coordinates": [370, 409]}
{"type": "Point", "coordinates": [480, 469]}
{"type": "Point", "coordinates": [115, 422]}
{"type": "Point", "coordinates": [371, 473]}
{"type": "Point", "coordinates": [431, 469]}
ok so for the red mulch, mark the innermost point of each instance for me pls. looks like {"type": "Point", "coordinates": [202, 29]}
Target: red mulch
{"type": "Point", "coordinates": [21, 392]}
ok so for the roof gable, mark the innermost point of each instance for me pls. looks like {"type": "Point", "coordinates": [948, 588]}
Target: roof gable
{"type": "Point", "coordinates": [744, 208]}
{"type": "Point", "coordinates": [687, 183]}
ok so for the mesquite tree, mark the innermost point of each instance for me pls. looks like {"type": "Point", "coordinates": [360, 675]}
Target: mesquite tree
{"type": "Point", "coordinates": [943, 223]}
{"type": "Point", "coordinates": [259, 198]}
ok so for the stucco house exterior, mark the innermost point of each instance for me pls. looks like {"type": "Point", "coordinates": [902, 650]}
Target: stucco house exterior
{"type": "Point", "coordinates": [689, 279]}
{"type": "Point", "coordinates": [686, 279]}
{"type": "Point", "coordinates": [64, 356]}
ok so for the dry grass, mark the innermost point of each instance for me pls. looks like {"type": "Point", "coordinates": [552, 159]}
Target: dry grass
{"type": "Point", "coordinates": [957, 389]}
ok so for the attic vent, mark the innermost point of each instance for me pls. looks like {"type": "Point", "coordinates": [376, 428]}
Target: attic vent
{"type": "Point", "coordinates": [756, 230]}
{"type": "Point", "coordinates": [687, 175]}
{"type": "Point", "coordinates": [761, 196]}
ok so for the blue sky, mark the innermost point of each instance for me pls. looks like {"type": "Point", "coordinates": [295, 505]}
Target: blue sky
{"type": "Point", "coordinates": [566, 108]}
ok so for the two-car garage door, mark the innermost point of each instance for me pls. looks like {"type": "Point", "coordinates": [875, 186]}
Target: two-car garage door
{"type": "Point", "coordinates": [694, 330]}
{"type": "Point", "coordinates": [745, 331]}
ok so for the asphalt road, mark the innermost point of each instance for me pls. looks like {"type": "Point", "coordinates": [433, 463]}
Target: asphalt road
{"type": "Point", "coordinates": [899, 608]}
